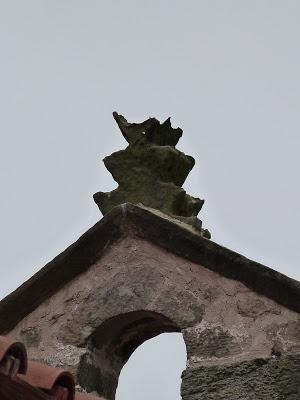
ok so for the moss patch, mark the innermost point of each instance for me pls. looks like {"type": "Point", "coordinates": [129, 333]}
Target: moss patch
{"type": "Point", "coordinates": [151, 171]}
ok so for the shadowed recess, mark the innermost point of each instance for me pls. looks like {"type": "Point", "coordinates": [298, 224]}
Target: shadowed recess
{"type": "Point", "coordinates": [111, 345]}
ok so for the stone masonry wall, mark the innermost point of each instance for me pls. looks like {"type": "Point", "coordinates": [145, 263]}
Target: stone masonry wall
{"type": "Point", "coordinates": [240, 345]}
{"type": "Point", "coordinates": [276, 378]}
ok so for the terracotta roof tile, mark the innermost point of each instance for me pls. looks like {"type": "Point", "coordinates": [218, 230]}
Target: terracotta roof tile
{"type": "Point", "coordinates": [10, 349]}
{"type": "Point", "coordinates": [47, 378]}
{"type": "Point", "coordinates": [22, 380]}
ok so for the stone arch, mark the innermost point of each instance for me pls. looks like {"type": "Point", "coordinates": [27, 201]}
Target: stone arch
{"type": "Point", "coordinates": [90, 326]}
{"type": "Point", "coordinates": [111, 345]}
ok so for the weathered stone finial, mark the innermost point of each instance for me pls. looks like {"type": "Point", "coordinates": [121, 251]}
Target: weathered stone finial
{"type": "Point", "coordinates": [151, 171]}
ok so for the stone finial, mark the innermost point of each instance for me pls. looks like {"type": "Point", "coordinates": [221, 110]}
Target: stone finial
{"type": "Point", "coordinates": [151, 171]}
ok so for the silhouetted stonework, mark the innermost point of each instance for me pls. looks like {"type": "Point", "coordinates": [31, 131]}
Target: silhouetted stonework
{"type": "Point", "coordinates": [151, 171]}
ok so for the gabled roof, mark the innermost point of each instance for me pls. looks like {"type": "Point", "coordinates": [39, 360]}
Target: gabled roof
{"type": "Point", "coordinates": [22, 380]}
{"type": "Point", "coordinates": [163, 231]}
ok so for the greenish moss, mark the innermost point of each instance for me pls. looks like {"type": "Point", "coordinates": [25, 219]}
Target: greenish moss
{"type": "Point", "coordinates": [151, 171]}
{"type": "Point", "coordinates": [31, 336]}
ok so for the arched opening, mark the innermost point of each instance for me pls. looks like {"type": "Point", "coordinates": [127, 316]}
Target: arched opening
{"type": "Point", "coordinates": [113, 342]}
{"type": "Point", "coordinates": [154, 370]}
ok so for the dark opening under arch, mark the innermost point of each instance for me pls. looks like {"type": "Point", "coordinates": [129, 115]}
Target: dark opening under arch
{"type": "Point", "coordinates": [112, 343]}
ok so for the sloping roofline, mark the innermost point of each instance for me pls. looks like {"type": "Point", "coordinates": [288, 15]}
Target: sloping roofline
{"type": "Point", "coordinates": [178, 238]}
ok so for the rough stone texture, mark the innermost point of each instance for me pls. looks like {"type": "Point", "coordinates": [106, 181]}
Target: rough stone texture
{"type": "Point", "coordinates": [138, 273]}
{"type": "Point", "coordinates": [31, 336]}
{"type": "Point", "coordinates": [137, 290]}
{"type": "Point", "coordinates": [148, 269]}
{"type": "Point", "coordinates": [165, 232]}
{"type": "Point", "coordinates": [257, 379]}
{"type": "Point", "coordinates": [151, 171]}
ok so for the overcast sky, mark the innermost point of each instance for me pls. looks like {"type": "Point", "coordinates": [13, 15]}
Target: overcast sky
{"type": "Point", "coordinates": [226, 71]}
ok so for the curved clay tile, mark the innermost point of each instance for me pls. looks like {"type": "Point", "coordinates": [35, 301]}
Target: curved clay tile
{"type": "Point", "coordinates": [15, 349]}
{"type": "Point", "coordinates": [47, 378]}
{"type": "Point", "coordinates": [58, 383]}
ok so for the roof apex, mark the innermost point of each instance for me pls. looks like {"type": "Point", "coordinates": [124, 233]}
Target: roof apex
{"type": "Point", "coordinates": [160, 229]}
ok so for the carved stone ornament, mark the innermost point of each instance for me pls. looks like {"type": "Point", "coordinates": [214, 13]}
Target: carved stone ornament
{"type": "Point", "coordinates": [151, 171]}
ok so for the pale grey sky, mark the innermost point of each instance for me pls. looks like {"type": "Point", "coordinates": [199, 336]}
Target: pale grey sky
{"type": "Point", "coordinates": [226, 71]}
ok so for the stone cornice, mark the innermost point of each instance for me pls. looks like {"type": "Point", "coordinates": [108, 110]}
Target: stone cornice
{"type": "Point", "coordinates": [170, 234]}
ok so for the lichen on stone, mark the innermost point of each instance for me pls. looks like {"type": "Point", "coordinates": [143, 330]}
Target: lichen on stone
{"type": "Point", "coordinates": [151, 171]}
{"type": "Point", "coordinates": [31, 336]}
